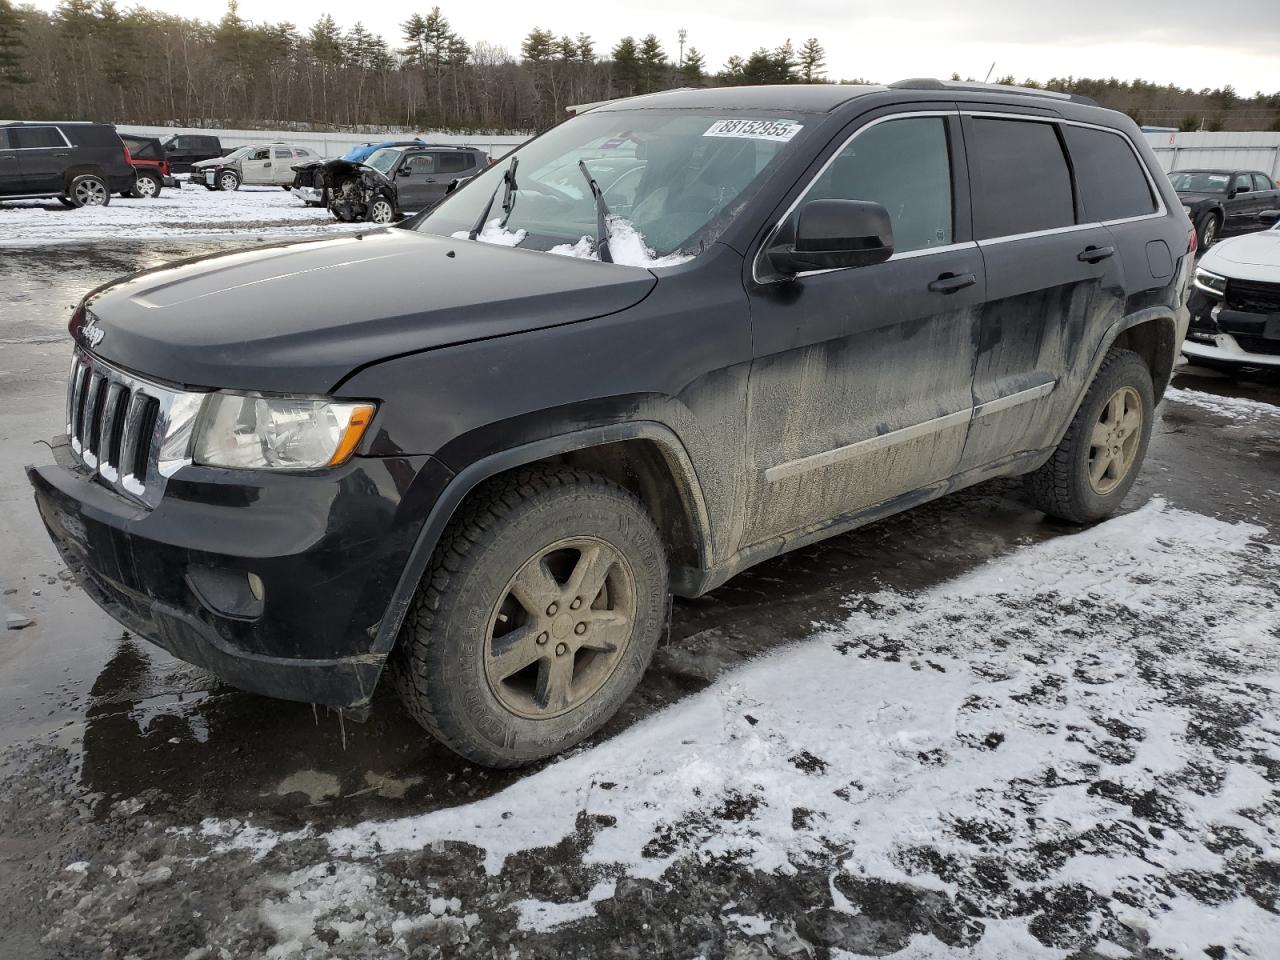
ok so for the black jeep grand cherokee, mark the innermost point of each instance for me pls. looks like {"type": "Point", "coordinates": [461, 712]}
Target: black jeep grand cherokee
{"type": "Point", "coordinates": [673, 337]}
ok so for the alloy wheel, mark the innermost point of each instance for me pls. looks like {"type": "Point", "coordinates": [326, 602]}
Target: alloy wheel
{"type": "Point", "coordinates": [90, 193]}
{"type": "Point", "coordinates": [1210, 232]}
{"type": "Point", "coordinates": [381, 212]}
{"type": "Point", "coordinates": [146, 187]}
{"type": "Point", "coordinates": [1114, 443]}
{"type": "Point", "coordinates": [560, 628]}
{"type": "Point", "coordinates": [229, 181]}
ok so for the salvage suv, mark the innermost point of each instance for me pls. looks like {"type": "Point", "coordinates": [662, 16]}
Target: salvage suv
{"type": "Point", "coordinates": [483, 449]}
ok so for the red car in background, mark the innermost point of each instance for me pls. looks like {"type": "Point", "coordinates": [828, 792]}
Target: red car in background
{"type": "Point", "coordinates": [149, 162]}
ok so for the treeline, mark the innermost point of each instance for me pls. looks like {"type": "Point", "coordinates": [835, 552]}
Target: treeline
{"type": "Point", "coordinates": [90, 59]}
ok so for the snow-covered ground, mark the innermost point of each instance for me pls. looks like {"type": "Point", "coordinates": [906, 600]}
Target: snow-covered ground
{"type": "Point", "coordinates": [192, 211]}
{"type": "Point", "coordinates": [1075, 747]}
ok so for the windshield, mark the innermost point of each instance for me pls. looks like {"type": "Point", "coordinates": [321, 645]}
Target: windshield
{"type": "Point", "coordinates": [1200, 181]}
{"type": "Point", "coordinates": [383, 160]}
{"type": "Point", "coordinates": [672, 180]}
{"type": "Point", "coordinates": [238, 153]}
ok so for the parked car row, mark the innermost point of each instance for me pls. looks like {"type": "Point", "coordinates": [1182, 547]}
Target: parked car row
{"type": "Point", "coordinates": [255, 164]}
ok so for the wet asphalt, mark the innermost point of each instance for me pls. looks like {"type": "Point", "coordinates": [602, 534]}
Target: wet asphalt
{"type": "Point", "coordinates": [129, 722]}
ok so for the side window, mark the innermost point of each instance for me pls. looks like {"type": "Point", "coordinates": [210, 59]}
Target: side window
{"type": "Point", "coordinates": [28, 138]}
{"type": "Point", "coordinates": [1019, 170]}
{"type": "Point", "coordinates": [452, 162]}
{"type": "Point", "coordinates": [421, 165]}
{"type": "Point", "coordinates": [904, 165]}
{"type": "Point", "coordinates": [283, 153]}
{"type": "Point", "coordinates": [1242, 181]}
{"type": "Point", "coordinates": [262, 154]}
{"type": "Point", "coordinates": [5, 143]}
{"type": "Point", "coordinates": [1262, 182]}
{"type": "Point", "coordinates": [1108, 173]}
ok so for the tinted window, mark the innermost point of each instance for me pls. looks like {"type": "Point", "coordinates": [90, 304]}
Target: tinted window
{"type": "Point", "coordinates": [1021, 176]}
{"type": "Point", "coordinates": [421, 165]}
{"type": "Point", "coordinates": [1261, 182]}
{"type": "Point", "coordinates": [1112, 184]}
{"type": "Point", "coordinates": [29, 137]}
{"type": "Point", "coordinates": [5, 144]}
{"type": "Point", "coordinates": [905, 166]}
{"type": "Point", "coordinates": [452, 162]}
{"type": "Point", "coordinates": [91, 135]}
{"type": "Point", "coordinates": [283, 153]}
{"type": "Point", "coordinates": [1241, 182]}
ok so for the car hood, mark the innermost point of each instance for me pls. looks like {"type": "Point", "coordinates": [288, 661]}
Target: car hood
{"type": "Point", "coordinates": [299, 317]}
{"type": "Point", "coordinates": [1193, 198]}
{"type": "Point", "coordinates": [1254, 256]}
{"type": "Point", "coordinates": [215, 162]}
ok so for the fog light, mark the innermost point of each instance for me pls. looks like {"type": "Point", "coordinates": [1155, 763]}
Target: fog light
{"type": "Point", "coordinates": [255, 587]}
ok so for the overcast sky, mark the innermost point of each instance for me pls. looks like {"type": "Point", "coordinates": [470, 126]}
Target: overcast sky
{"type": "Point", "coordinates": [1188, 42]}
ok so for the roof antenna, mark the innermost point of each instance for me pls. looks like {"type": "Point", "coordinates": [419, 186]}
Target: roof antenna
{"type": "Point", "coordinates": [989, 72]}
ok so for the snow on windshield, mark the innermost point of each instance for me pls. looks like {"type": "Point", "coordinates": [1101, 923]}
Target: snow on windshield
{"type": "Point", "coordinates": [626, 245]}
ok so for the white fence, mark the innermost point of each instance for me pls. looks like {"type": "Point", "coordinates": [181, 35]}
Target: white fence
{"type": "Point", "coordinates": [331, 144]}
{"type": "Point", "coordinates": [1233, 151]}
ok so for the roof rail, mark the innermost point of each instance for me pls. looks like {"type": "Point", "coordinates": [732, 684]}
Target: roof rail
{"type": "Point", "coordinates": [932, 83]}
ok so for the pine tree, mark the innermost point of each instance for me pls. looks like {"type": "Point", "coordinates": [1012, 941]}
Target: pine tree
{"type": "Point", "coordinates": [12, 47]}
{"type": "Point", "coordinates": [813, 61]}
{"type": "Point", "coordinates": [538, 46]}
{"type": "Point", "coordinates": [586, 49]}
{"type": "Point", "coordinates": [627, 72]}
{"type": "Point", "coordinates": [693, 70]}
{"type": "Point", "coordinates": [653, 64]}
{"type": "Point", "coordinates": [784, 64]}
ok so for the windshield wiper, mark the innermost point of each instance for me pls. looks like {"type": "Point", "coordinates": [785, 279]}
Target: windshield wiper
{"type": "Point", "coordinates": [602, 215]}
{"type": "Point", "coordinates": [508, 200]}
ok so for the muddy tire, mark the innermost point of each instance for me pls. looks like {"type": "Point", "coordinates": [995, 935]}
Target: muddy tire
{"type": "Point", "coordinates": [1098, 460]}
{"type": "Point", "coordinates": [536, 618]}
{"type": "Point", "coordinates": [88, 190]}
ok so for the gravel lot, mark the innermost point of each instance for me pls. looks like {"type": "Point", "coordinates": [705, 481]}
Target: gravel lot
{"type": "Point", "coordinates": [961, 732]}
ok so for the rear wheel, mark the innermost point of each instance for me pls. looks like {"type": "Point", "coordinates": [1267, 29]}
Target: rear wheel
{"type": "Point", "coordinates": [88, 190]}
{"type": "Point", "coordinates": [147, 186]}
{"type": "Point", "coordinates": [1097, 461]}
{"type": "Point", "coordinates": [537, 617]}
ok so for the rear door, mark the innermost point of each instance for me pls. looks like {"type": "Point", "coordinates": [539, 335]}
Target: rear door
{"type": "Point", "coordinates": [1268, 196]}
{"type": "Point", "coordinates": [1052, 275]}
{"type": "Point", "coordinates": [10, 174]}
{"type": "Point", "coordinates": [281, 169]}
{"type": "Point", "coordinates": [861, 384]}
{"type": "Point", "coordinates": [452, 165]}
{"type": "Point", "coordinates": [43, 154]}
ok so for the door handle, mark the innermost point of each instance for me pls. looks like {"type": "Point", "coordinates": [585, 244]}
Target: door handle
{"type": "Point", "coordinates": [1095, 254]}
{"type": "Point", "coordinates": [951, 282]}
{"type": "Point", "coordinates": [63, 154]}
{"type": "Point", "coordinates": [267, 164]}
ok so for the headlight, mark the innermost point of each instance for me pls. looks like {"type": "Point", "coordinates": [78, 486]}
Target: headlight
{"type": "Point", "coordinates": [1211, 282]}
{"type": "Point", "coordinates": [251, 432]}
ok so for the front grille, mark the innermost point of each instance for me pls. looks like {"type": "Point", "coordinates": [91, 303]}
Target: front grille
{"type": "Point", "coordinates": [1253, 296]}
{"type": "Point", "coordinates": [1258, 345]}
{"type": "Point", "coordinates": [117, 424]}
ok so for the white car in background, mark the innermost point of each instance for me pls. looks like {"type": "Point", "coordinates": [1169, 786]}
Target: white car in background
{"type": "Point", "coordinates": [1235, 302]}
{"type": "Point", "coordinates": [255, 164]}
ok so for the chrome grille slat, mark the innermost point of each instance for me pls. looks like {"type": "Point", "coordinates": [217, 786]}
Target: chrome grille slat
{"type": "Point", "coordinates": [118, 424]}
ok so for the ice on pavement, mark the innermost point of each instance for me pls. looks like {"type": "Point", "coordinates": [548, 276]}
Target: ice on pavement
{"type": "Point", "coordinates": [1028, 728]}
{"type": "Point", "coordinates": [1234, 408]}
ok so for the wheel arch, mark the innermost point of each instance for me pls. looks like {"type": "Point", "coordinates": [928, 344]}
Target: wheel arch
{"type": "Point", "coordinates": [645, 457]}
{"type": "Point", "coordinates": [83, 169]}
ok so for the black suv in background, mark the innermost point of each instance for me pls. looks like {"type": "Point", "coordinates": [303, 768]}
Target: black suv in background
{"type": "Point", "coordinates": [82, 164]}
{"type": "Point", "coordinates": [184, 149]}
{"type": "Point", "coordinates": [1224, 203]}
{"type": "Point", "coordinates": [485, 448]}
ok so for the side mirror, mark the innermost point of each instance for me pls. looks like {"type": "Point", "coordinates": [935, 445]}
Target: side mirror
{"type": "Point", "coordinates": [1236, 191]}
{"type": "Point", "coordinates": [404, 172]}
{"type": "Point", "coordinates": [832, 234]}
{"type": "Point", "coordinates": [1269, 217]}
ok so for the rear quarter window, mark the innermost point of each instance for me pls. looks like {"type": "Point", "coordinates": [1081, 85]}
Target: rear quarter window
{"type": "Point", "coordinates": [1109, 174]}
{"type": "Point", "coordinates": [452, 162]}
{"type": "Point", "coordinates": [96, 135]}
{"type": "Point", "coordinates": [1022, 181]}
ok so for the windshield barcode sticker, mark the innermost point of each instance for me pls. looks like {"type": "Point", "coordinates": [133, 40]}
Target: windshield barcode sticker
{"type": "Point", "coordinates": [780, 130]}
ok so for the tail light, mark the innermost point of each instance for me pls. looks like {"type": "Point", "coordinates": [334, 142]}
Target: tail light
{"type": "Point", "coordinates": [128, 157]}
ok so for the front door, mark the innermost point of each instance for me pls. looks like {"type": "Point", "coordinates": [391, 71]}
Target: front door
{"type": "Point", "coordinates": [415, 181]}
{"type": "Point", "coordinates": [10, 173]}
{"type": "Point", "coordinates": [1241, 207]}
{"type": "Point", "coordinates": [256, 167]}
{"type": "Point", "coordinates": [862, 378]}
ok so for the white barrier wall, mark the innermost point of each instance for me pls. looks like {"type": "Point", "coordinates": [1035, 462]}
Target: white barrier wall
{"type": "Point", "coordinates": [331, 144]}
{"type": "Point", "coordinates": [1235, 151]}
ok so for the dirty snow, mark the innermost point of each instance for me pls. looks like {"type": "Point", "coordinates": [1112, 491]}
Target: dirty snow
{"type": "Point", "coordinates": [543, 915]}
{"type": "Point", "coordinates": [1032, 740]}
{"type": "Point", "coordinates": [191, 211]}
{"type": "Point", "coordinates": [1234, 408]}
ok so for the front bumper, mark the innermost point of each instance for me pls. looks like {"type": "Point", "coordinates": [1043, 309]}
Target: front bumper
{"type": "Point", "coordinates": [1222, 334]}
{"type": "Point", "coordinates": [1224, 348]}
{"type": "Point", "coordinates": [328, 551]}
{"type": "Point", "coordinates": [308, 194]}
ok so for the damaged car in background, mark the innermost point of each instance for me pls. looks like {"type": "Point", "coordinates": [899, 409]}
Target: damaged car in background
{"type": "Point", "coordinates": [311, 181]}
{"type": "Point", "coordinates": [396, 181]}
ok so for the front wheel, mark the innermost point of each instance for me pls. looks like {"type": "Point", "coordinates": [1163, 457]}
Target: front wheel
{"type": "Point", "coordinates": [228, 180]}
{"type": "Point", "coordinates": [1098, 460]}
{"type": "Point", "coordinates": [381, 211]}
{"type": "Point", "coordinates": [541, 609]}
{"type": "Point", "coordinates": [1210, 228]}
